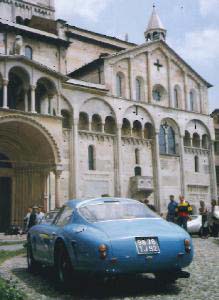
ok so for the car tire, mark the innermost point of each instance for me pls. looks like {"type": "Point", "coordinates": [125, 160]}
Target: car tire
{"type": "Point", "coordinates": [64, 270]}
{"type": "Point", "coordinates": [32, 264]}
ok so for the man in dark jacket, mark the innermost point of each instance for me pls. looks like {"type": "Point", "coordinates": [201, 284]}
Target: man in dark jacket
{"type": "Point", "coordinates": [33, 217]}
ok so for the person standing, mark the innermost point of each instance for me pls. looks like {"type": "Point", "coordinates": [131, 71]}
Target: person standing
{"type": "Point", "coordinates": [27, 219]}
{"type": "Point", "coordinates": [183, 211]}
{"type": "Point", "coordinates": [214, 220]}
{"type": "Point", "coordinates": [40, 214]}
{"type": "Point", "coordinates": [204, 213]}
{"type": "Point", "coordinates": [33, 217]}
{"type": "Point", "coordinates": [171, 214]}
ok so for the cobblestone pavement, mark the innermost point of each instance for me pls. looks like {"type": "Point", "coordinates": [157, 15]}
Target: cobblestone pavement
{"type": "Point", "coordinates": [203, 283]}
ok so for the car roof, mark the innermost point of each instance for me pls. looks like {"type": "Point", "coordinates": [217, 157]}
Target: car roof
{"type": "Point", "coordinates": [75, 203]}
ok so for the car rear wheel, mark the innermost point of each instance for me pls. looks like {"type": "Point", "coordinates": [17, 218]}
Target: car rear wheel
{"type": "Point", "coordinates": [64, 268]}
{"type": "Point", "coordinates": [32, 264]}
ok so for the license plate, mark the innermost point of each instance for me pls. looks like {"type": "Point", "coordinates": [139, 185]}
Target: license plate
{"type": "Point", "coordinates": [147, 245]}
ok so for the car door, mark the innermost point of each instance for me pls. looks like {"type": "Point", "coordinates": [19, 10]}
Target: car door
{"type": "Point", "coordinates": [56, 229]}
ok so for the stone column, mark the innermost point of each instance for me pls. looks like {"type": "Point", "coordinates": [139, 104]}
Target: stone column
{"type": "Point", "coordinates": [76, 158]}
{"type": "Point", "coordinates": [186, 91]}
{"type": "Point", "coordinates": [102, 127]}
{"type": "Point", "coordinates": [182, 167]}
{"type": "Point", "coordinates": [58, 104]}
{"type": "Point", "coordinates": [156, 172]}
{"type": "Point", "coordinates": [149, 77]}
{"type": "Point", "coordinates": [131, 80]}
{"type": "Point", "coordinates": [169, 84]}
{"type": "Point", "coordinates": [200, 99]}
{"type": "Point", "coordinates": [26, 101]}
{"type": "Point", "coordinates": [213, 181]}
{"type": "Point", "coordinates": [50, 97]}
{"type": "Point", "coordinates": [5, 93]}
{"type": "Point", "coordinates": [118, 161]}
{"type": "Point", "coordinates": [57, 188]}
{"type": "Point", "coordinates": [33, 99]}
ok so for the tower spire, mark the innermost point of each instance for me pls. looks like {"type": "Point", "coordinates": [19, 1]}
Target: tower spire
{"type": "Point", "coordinates": [155, 29]}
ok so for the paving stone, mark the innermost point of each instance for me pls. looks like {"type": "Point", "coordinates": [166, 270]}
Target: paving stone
{"type": "Point", "coordinates": [203, 283]}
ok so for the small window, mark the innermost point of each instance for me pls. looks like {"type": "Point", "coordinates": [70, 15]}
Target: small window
{"type": "Point", "coordinates": [66, 119]}
{"type": "Point", "coordinates": [196, 164]}
{"type": "Point", "coordinates": [139, 89]}
{"type": "Point", "coordinates": [29, 52]}
{"type": "Point", "coordinates": [176, 97]}
{"type": "Point", "coordinates": [91, 160]}
{"type": "Point", "coordinates": [192, 97]}
{"type": "Point", "coordinates": [120, 85]}
{"type": "Point", "coordinates": [162, 140]}
{"type": "Point", "coordinates": [138, 171]}
{"type": "Point", "coordinates": [137, 156]}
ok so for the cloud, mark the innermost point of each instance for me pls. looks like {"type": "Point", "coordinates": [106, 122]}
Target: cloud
{"type": "Point", "coordinates": [199, 46]}
{"type": "Point", "coordinates": [90, 9]}
{"type": "Point", "coordinates": [209, 7]}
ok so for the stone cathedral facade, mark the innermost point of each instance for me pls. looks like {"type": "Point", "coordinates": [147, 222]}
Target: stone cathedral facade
{"type": "Point", "coordinates": [84, 115]}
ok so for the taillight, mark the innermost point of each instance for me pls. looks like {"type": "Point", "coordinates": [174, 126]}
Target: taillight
{"type": "Point", "coordinates": [187, 245]}
{"type": "Point", "coordinates": [103, 251]}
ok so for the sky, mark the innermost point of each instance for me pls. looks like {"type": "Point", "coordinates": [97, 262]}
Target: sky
{"type": "Point", "coordinates": [192, 28]}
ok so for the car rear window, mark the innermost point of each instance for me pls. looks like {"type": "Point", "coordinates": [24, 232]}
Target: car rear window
{"type": "Point", "coordinates": [115, 211]}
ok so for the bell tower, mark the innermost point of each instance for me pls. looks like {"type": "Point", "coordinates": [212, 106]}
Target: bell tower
{"type": "Point", "coordinates": [155, 30]}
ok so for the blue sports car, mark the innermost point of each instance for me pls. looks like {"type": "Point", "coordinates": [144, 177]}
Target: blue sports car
{"type": "Point", "coordinates": [110, 236]}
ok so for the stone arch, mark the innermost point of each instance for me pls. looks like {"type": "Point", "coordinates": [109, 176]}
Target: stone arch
{"type": "Point", "coordinates": [148, 131]}
{"type": "Point", "coordinates": [83, 121]}
{"type": "Point", "coordinates": [23, 120]}
{"type": "Point", "coordinates": [100, 106]}
{"type": "Point", "coordinates": [96, 123]}
{"type": "Point", "coordinates": [18, 88]}
{"type": "Point", "coordinates": [110, 125]}
{"type": "Point", "coordinates": [45, 91]}
{"type": "Point", "coordinates": [197, 126]}
{"type": "Point", "coordinates": [66, 119]}
{"type": "Point", "coordinates": [138, 112]}
{"type": "Point", "coordinates": [137, 129]}
{"type": "Point", "coordinates": [33, 155]}
{"type": "Point", "coordinates": [187, 139]}
{"type": "Point", "coordinates": [196, 141]}
{"type": "Point", "coordinates": [126, 127]}
{"type": "Point", "coordinates": [169, 136]}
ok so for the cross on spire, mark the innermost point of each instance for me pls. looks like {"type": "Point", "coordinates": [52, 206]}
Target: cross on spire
{"type": "Point", "coordinates": [158, 65]}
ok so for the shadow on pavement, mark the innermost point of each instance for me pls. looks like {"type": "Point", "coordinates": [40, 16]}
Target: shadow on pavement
{"type": "Point", "coordinates": [44, 283]}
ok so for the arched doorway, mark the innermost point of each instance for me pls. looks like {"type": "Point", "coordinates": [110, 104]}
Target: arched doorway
{"type": "Point", "coordinates": [28, 155]}
{"type": "Point", "coordinates": [5, 192]}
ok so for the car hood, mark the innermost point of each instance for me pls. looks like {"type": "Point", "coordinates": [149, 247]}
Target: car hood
{"type": "Point", "coordinates": [140, 228]}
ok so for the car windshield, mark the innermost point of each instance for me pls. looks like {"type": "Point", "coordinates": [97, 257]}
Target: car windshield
{"type": "Point", "coordinates": [115, 211]}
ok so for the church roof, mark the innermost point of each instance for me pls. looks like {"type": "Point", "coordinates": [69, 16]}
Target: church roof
{"type": "Point", "coordinates": [155, 22]}
{"type": "Point", "coordinates": [164, 44]}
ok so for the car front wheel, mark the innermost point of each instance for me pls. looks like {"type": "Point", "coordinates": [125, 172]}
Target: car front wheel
{"type": "Point", "coordinates": [32, 264]}
{"type": "Point", "coordinates": [63, 267]}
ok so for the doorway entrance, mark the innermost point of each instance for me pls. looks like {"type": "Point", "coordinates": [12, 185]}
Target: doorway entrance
{"type": "Point", "coordinates": [5, 202]}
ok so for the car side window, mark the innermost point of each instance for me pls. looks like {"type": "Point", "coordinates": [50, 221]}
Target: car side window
{"type": "Point", "coordinates": [64, 216]}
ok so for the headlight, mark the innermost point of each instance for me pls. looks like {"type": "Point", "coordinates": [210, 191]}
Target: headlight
{"type": "Point", "coordinates": [187, 244]}
{"type": "Point", "coordinates": [103, 251]}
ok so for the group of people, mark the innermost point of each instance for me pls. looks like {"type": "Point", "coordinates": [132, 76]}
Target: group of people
{"type": "Point", "coordinates": [179, 213]}
{"type": "Point", "coordinates": [33, 217]}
